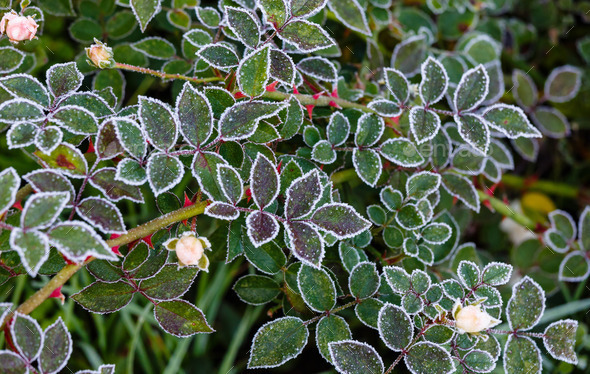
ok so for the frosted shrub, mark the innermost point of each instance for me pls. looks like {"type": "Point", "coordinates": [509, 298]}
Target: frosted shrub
{"type": "Point", "coordinates": [266, 132]}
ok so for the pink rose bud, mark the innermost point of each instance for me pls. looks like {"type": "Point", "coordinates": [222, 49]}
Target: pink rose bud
{"type": "Point", "coordinates": [100, 55]}
{"type": "Point", "coordinates": [18, 28]}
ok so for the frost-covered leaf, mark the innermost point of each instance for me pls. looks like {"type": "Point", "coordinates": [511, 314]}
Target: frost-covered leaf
{"type": "Point", "coordinates": [256, 289]}
{"type": "Point", "coordinates": [306, 36]}
{"type": "Point", "coordinates": [208, 16]}
{"type": "Point", "coordinates": [317, 288]}
{"type": "Point", "coordinates": [496, 273]}
{"type": "Point", "coordinates": [43, 208]}
{"type": "Point", "coordinates": [145, 10]}
{"type": "Point", "coordinates": [104, 180]}
{"type": "Point", "coordinates": [563, 222]}
{"type": "Point", "coordinates": [527, 148]}
{"type": "Point", "coordinates": [21, 135]}
{"type": "Point", "coordinates": [262, 228]}
{"type": "Point", "coordinates": [479, 361]}
{"type": "Point", "coordinates": [525, 91]}
{"type": "Point", "coordinates": [422, 184]}
{"type": "Point", "coordinates": [63, 78]}
{"type": "Point", "coordinates": [369, 130]}
{"type": "Point", "coordinates": [468, 273]}
{"type": "Point", "coordinates": [27, 87]}
{"type": "Point", "coordinates": [76, 119]}
{"type": "Point", "coordinates": [27, 336]}
{"type": "Point", "coordinates": [219, 56]}
{"type": "Point", "coordinates": [241, 120]}
{"type": "Point", "coordinates": [244, 24]}
{"type": "Point", "coordinates": [159, 122]}
{"type": "Point", "coordinates": [559, 339]}
{"type": "Point", "coordinates": [268, 258]}
{"type": "Point", "coordinates": [254, 72]}
{"type": "Point", "coordinates": [364, 280]}
{"type": "Point", "coordinates": [194, 114]}
{"type": "Point", "coordinates": [354, 357]}
{"type": "Point", "coordinates": [462, 188]}
{"type": "Point", "coordinates": [467, 160]}
{"type": "Point", "coordinates": [526, 306]}
{"type": "Point", "coordinates": [57, 347]}
{"type": "Point", "coordinates": [230, 182]}
{"type": "Point", "coordinates": [367, 164]}
{"type": "Point", "coordinates": [131, 172]}
{"type": "Point", "coordinates": [563, 83]}
{"type": "Point", "coordinates": [385, 108]}
{"type": "Point", "coordinates": [330, 329]}
{"type": "Point", "coordinates": [181, 318]}
{"type": "Point", "coordinates": [278, 341]}
{"type": "Point", "coordinates": [319, 68]}
{"type": "Point", "coordinates": [223, 211]}
{"type": "Point", "coordinates": [351, 14]}
{"type": "Point", "coordinates": [305, 242]}
{"type": "Point", "coordinates": [424, 124]}
{"type": "Point", "coordinates": [521, 355]}
{"type": "Point", "coordinates": [511, 121]}
{"type": "Point", "coordinates": [10, 59]}
{"type": "Point", "coordinates": [340, 220]}
{"type": "Point", "coordinates": [397, 84]}
{"type": "Point", "coordinates": [77, 240]}
{"type": "Point", "coordinates": [472, 89]}
{"type": "Point", "coordinates": [401, 151]}
{"type": "Point", "coordinates": [275, 11]}
{"type": "Point", "coordinates": [434, 81]}
{"type": "Point", "coordinates": [392, 199]}
{"type": "Point", "coordinates": [551, 122]}
{"type": "Point", "coordinates": [408, 55]}
{"type": "Point", "coordinates": [164, 172]}
{"type": "Point", "coordinates": [282, 67]}
{"type": "Point", "coordinates": [13, 362]}
{"type": "Point", "coordinates": [323, 152]}
{"type": "Point", "coordinates": [429, 358]}
{"type": "Point", "coordinates": [474, 130]}
{"type": "Point", "coordinates": [101, 298]}
{"type": "Point", "coordinates": [410, 217]}
{"type": "Point", "coordinates": [169, 283]}
{"type": "Point", "coordinates": [130, 137]}
{"type": "Point", "coordinates": [101, 214]}
{"type": "Point", "coordinates": [436, 233]}
{"type": "Point", "coordinates": [9, 184]}
{"type": "Point", "coordinates": [49, 181]}
{"type": "Point", "coordinates": [20, 110]}
{"type": "Point", "coordinates": [205, 170]}
{"type": "Point", "coordinates": [303, 194]}
{"type": "Point", "coordinates": [265, 181]}
{"type": "Point", "coordinates": [395, 327]}
{"type": "Point", "coordinates": [306, 8]}
{"type": "Point", "coordinates": [338, 129]}
{"type": "Point", "coordinates": [108, 145]}
{"type": "Point", "coordinates": [575, 267]}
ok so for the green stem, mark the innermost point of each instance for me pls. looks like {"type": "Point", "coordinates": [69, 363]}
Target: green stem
{"type": "Point", "coordinates": [132, 235]}
{"type": "Point", "coordinates": [552, 188]}
{"type": "Point", "coordinates": [505, 210]}
{"type": "Point", "coordinates": [320, 101]}
{"type": "Point", "coordinates": [163, 75]}
{"type": "Point", "coordinates": [24, 192]}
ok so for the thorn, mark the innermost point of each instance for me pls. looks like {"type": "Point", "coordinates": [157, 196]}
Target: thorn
{"type": "Point", "coordinates": [115, 249]}
{"type": "Point", "coordinates": [272, 87]}
{"type": "Point", "coordinates": [279, 166]}
{"type": "Point", "coordinates": [295, 90]}
{"type": "Point", "coordinates": [395, 120]}
{"type": "Point", "coordinates": [248, 195]}
{"type": "Point", "coordinates": [310, 109]}
{"type": "Point", "coordinates": [322, 167]}
{"type": "Point", "coordinates": [317, 96]}
{"type": "Point", "coordinates": [333, 104]}
{"type": "Point", "coordinates": [239, 95]}
{"type": "Point", "coordinates": [187, 201]}
{"type": "Point", "coordinates": [18, 206]}
{"type": "Point", "coordinates": [455, 199]}
{"type": "Point", "coordinates": [148, 240]}
{"type": "Point", "coordinates": [488, 205]}
{"type": "Point", "coordinates": [91, 148]}
{"type": "Point", "coordinates": [58, 295]}
{"type": "Point", "coordinates": [335, 93]}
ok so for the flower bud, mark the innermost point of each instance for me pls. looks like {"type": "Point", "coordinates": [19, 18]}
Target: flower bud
{"type": "Point", "coordinates": [100, 55]}
{"type": "Point", "coordinates": [18, 28]}
{"type": "Point", "coordinates": [472, 319]}
{"type": "Point", "coordinates": [190, 250]}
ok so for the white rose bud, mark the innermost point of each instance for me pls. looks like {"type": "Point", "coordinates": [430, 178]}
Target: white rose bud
{"type": "Point", "coordinates": [472, 319]}
{"type": "Point", "coordinates": [100, 55]}
{"type": "Point", "coordinates": [190, 250]}
{"type": "Point", "coordinates": [18, 28]}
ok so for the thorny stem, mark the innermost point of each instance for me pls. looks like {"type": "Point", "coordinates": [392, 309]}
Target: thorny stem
{"type": "Point", "coordinates": [163, 75]}
{"type": "Point", "coordinates": [132, 235]}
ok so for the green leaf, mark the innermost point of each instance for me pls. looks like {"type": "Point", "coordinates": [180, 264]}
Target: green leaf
{"type": "Point", "coordinates": [398, 85]}
{"type": "Point", "coordinates": [305, 242]}
{"type": "Point", "coordinates": [319, 68]}
{"type": "Point", "coordinates": [179, 18]}
{"type": "Point", "coordinates": [77, 240]}
{"type": "Point", "coordinates": [467, 160]}
{"type": "Point", "coordinates": [354, 357]}
{"type": "Point", "coordinates": [265, 182]}
{"type": "Point", "coordinates": [292, 120]}
{"type": "Point", "coordinates": [474, 130]}
{"type": "Point", "coordinates": [9, 184]}
{"type": "Point", "coordinates": [181, 319]}
{"type": "Point", "coordinates": [268, 258]}
{"type": "Point", "coordinates": [219, 56]}
{"type": "Point", "coordinates": [12, 362]}
{"type": "Point", "coordinates": [351, 14]}
{"type": "Point", "coordinates": [316, 288]}
{"type": "Point", "coordinates": [340, 220]}
{"type": "Point", "coordinates": [10, 59]}
{"type": "Point", "coordinates": [67, 159]}
{"type": "Point", "coordinates": [323, 153]}
{"type": "Point", "coordinates": [104, 298]}
{"type": "Point", "coordinates": [20, 110]}
{"type": "Point", "coordinates": [551, 122]}
{"type": "Point", "coordinates": [253, 72]}
{"type": "Point", "coordinates": [63, 78]}
{"type": "Point", "coordinates": [398, 279]}
{"type": "Point", "coordinates": [521, 356]}
{"type": "Point", "coordinates": [278, 341]}
{"type": "Point", "coordinates": [434, 81]}
{"type": "Point", "coordinates": [158, 121]}
{"type": "Point", "coordinates": [145, 10]}
{"type": "Point", "coordinates": [563, 83]}
{"type": "Point", "coordinates": [306, 36]}
{"type": "Point", "coordinates": [436, 233]}
{"type": "Point", "coordinates": [583, 228]}
{"type": "Point", "coordinates": [306, 8]}
{"type": "Point", "coordinates": [131, 137]}
{"type": "Point", "coordinates": [241, 120]}
{"type": "Point", "coordinates": [424, 123]}
{"type": "Point", "coordinates": [32, 247]}
{"type": "Point", "coordinates": [526, 306]}
{"type": "Point", "coordinates": [256, 289]}
{"type": "Point", "coordinates": [111, 80]}
{"type": "Point", "coordinates": [385, 108]}
{"type": "Point", "coordinates": [428, 358]}
{"type": "Point", "coordinates": [422, 184]}
{"type": "Point", "coordinates": [462, 188]}
{"type": "Point", "coordinates": [104, 180]}
{"type": "Point", "coordinates": [121, 24]}
{"type": "Point", "coordinates": [408, 55]}
{"type": "Point", "coordinates": [559, 339]}
{"type": "Point", "coordinates": [231, 183]}
{"type": "Point", "coordinates": [43, 208]}
{"type": "Point", "coordinates": [496, 273]}
{"type": "Point", "coordinates": [282, 67]}
{"type": "Point", "coordinates": [401, 151]}
{"type": "Point", "coordinates": [209, 17]}
{"type": "Point", "coordinates": [468, 274]}
{"type": "Point", "coordinates": [364, 280]}
{"type": "Point", "coordinates": [26, 335]}
{"type": "Point", "coordinates": [410, 217]}
{"type": "Point", "coordinates": [395, 327]}
{"type": "Point", "coordinates": [76, 119]}
{"type": "Point", "coordinates": [368, 312]}
{"type": "Point", "coordinates": [575, 267]}
{"type": "Point", "coordinates": [275, 11]}
{"type": "Point", "coordinates": [472, 89]}
{"type": "Point", "coordinates": [27, 87]}
{"type": "Point", "coordinates": [84, 30]}
{"type": "Point", "coordinates": [392, 199]}
{"type": "Point", "coordinates": [155, 47]}
{"type": "Point", "coordinates": [58, 7]}
{"type": "Point", "coordinates": [369, 131]}
{"type": "Point", "coordinates": [331, 328]}
{"type": "Point", "coordinates": [367, 164]}
{"type": "Point", "coordinates": [57, 348]}
{"type": "Point", "coordinates": [205, 170]}
{"type": "Point", "coordinates": [244, 25]}
{"type": "Point", "coordinates": [511, 121]}
{"type": "Point", "coordinates": [525, 91]}
{"type": "Point", "coordinates": [303, 195]}
{"type": "Point", "coordinates": [479, 361]}
{"type": "Point", "coordinates": [439, 334]}
{"type": "Point", "coordinates": [164, 172]}
{"type": "Point", "coordinates": [195, 115]}
{"type": "Point", "coordinates": [169, 283]}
